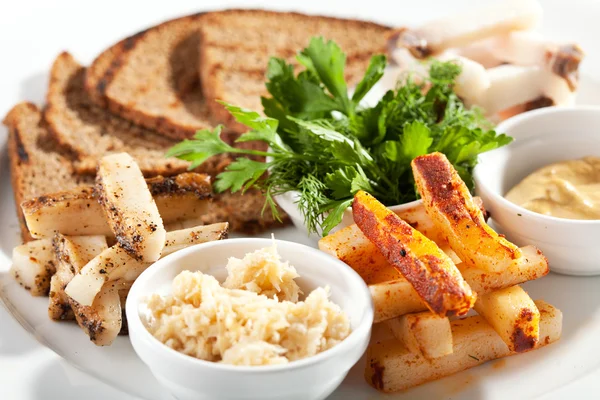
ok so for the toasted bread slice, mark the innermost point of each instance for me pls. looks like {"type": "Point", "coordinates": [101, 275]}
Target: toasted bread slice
{"type": "Point", "coordinates": [100, 72]}
{"type": "Point", "coordinates": [36, 163]}
{"type": "Point", "coordinates": [38, 167]}
{"type": "Point", "coordinates": [234, 54]}
{"type": "Point", "coordinates": [151, 78]}
{"type": "Point", "coordinates": [284, 33]}
{"type": "Point", "coordinates": [91, 132]}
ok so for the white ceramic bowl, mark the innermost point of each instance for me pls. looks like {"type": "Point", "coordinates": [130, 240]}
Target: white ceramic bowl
{"type": "Point", "coordinates": [543, 137]}
{"type": "Point", "coordinates": [315, 377]}
{"type": "Point", "coordinates": [287, 201]}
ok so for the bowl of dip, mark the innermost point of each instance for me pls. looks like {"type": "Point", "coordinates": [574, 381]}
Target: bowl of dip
{"type": "Point", "coordinates": [224, 320]}
{"type": "Point", "coordinates": [544, 188]}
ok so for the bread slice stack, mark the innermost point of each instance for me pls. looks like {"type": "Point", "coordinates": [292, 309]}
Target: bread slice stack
{"type": "Point", "coordinates": [159, 86]}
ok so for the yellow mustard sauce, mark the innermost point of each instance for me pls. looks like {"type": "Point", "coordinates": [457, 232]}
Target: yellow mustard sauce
{"type": "Point", "coordinates": [568, 189]}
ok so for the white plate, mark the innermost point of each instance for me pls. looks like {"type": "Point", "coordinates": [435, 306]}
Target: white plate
{"type": "Point", "coordinates": [545, 371]}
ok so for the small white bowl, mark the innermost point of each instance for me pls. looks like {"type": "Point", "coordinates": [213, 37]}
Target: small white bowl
{"type": "Point", "coordinates": [288, 203]}
{"type": "Point", "coordinates": [315, 377]}
{"type": "Point", "coordinates": [543, 137]}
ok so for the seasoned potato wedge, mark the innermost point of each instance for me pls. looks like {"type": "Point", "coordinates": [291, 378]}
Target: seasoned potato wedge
{"type": "Point", "coordinates": [72, 253]}
{"type": "Point", "coordinates": [394, 296]}
{"type": "Point", "coordinates": [430, 271]}
{"type": "Point", "coordinates": [513, 314]}
{"type": "Point", "coordinates": [423, 333]}
{"type": "Point", "coordinates": [132, 212]}
{"type": "Point", "coordinates": [450, 205]}
{"type": "Point", "coordinates": [392, 367]}
{"type": "Point", "coordinates": [532, 265]}
{"type": "Point", "coordinates": [33, 265]}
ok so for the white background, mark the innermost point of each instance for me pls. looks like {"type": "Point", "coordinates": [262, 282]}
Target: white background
{"type": "Point", "coordinates": [32, 33]}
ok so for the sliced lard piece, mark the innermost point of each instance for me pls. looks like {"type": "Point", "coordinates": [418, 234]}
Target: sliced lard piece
{"type": "Point", "coordinates": [116, 264]}
{"type": "Point", "coordinates": [530, 48]}
{"type": "Point", "coordinates": [468, 27]}
{"type": "Point", "coordinates": [33, 265]}
{"type": "Point", "coordinates": [404, 64]}
{"type": "Point", "coordinates": [473, 79]}
{"type": "Point", "coordinates": [131, 210]}
{"type": "Point", "coordinates": [481, 52]}
{"type": "Point", "coordinates": [520, 48]}
{"type": "Point", "coordinates": [509, 85]}
{"type": "Point", "coordinates": [556, 88]}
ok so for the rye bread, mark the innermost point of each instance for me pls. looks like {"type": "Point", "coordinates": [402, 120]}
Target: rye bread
{"type": "Point", "coordinates": [97, 73]}
{"type": "Point", "coordinates": [36, 163]}
{"type": "Point", "coordinates": [91, 132]}
{"type": "Point", "coordinates": [244, 88]}
{"type": "Point", "coordinates": [234, 54]}
{"type": "Point", "coordinates": [39, 165]}
{"type": "Point", "coordinates": [284, 33]}
{"type": "Point", "coordinates": [152, 79]}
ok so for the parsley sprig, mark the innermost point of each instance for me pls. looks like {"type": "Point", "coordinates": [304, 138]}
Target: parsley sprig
{"type": "Point", "coordinates": [325, 145]}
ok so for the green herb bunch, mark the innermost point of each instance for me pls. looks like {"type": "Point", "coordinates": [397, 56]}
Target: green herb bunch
{"type": "Point", "coordinates": [327, 146]}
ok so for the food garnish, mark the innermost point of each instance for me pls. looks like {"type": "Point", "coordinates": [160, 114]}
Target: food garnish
{"type": "Point", "coordinates": [327, 146]}
{"type": "Point", "coordinates": [254, 318]}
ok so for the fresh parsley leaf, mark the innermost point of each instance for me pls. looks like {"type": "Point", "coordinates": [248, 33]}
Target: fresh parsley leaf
{"type": "Point", "coordinates": [347, 180]}
{"type": "Point", "coordinates": [323, 130]}
{"type": "Point", "coordinates": [372, 76]}
{"type": "Point", "coordinates": [327, 61]}
{"type": "Point", "coordinates": [335, 212]}
{"type": "Point", "coordinates": [300, 96]}
{"type": "Point", "coordinates": [360, 181]}
{"type": "Point", "coordinates": [251, 119]}
{"type": "Point", "coordinates": [415, 141]}
{"type": "Point", "coordinates": [340, 182]}
{"type": "Point", "coordinates": [262, 128]}
{"type": "Point", "coordinates": [206, 143]}
{"type": "Point", "coordinates": [242, 173]}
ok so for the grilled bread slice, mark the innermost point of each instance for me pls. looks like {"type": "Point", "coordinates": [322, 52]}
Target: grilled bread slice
{"type": "Point", "coordinates": [39, 166]}
{"type": "Point", "coordinates": [151, 78]}
{"type": "Point", "coordinates": [36, 163]}
{"type": "Point", "coordinates": [91, 132]}
{"type": "Point", "coordinates": [234, 54]}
